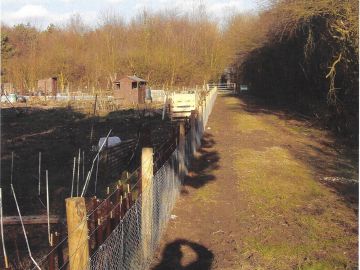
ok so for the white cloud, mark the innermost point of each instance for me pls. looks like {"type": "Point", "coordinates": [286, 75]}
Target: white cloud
{"type": "Point", "coordinates": [42, 12]}
{"type": "Point", "coordinates": [40, 16]}
{"type": "Point", "coordinates": [28, 11]}
{"type": "Point", "coordinates": [234, 5]}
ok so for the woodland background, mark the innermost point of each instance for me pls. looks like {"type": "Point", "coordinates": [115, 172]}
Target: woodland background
{"type": "Point", "coordinates": [303, 54]}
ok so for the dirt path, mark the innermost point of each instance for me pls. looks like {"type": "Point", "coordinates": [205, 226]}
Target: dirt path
{"type": "Point", "coordinates": [256, 197]}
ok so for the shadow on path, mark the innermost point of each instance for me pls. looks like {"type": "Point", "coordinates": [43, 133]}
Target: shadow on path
{"type": "Point", "coordinates": [203, 164]}
{"type": "Point", "coordinates": [173, 255]}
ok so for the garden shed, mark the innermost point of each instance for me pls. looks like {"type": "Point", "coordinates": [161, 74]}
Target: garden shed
{"type": "Point", "coordinates": [48, 86]}
{"type": "Point", "coordinates": [130, 89]}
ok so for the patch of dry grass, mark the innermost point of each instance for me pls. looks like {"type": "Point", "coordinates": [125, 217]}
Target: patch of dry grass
{"type": "Point", "coordinates": [207, 194]}
{"type": "Point", "coordinates": [249, 123]}
{"type": "Point", "coordinates": [298, 211]}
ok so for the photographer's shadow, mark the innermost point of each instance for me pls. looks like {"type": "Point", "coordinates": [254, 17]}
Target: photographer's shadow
{"type": "Point", "coordinates": [172, 255]}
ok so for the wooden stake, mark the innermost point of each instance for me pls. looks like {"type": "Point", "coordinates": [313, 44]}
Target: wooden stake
{"type": "Point", "coordinates": [77, 233]}
{"type": "Point", "coordinates": [96, 173]}
{"type": "Point", "coordinates": [48, 205]}
{"type": "Point", "coordinates": [73, 178]}
{"type": "Point", "coordinates": [78, 174]}
{"type": "Point", "coordinates": [193, 131]}
{"type": "Point", "coordinates": [127, 202]}
{"type": "Point", "coordinates": [147, 165]}
{"type": "Point", "coordinates": [6, 262]}
{"type": "Point", "coordinates": [99, 233]}
{"type": "Point", "coordinates": [113, 222]}
{"type": "Point", "coordinates": [12, 168]}
{"type": "Point", "coordinates": [182, 150]}
{"type": "Point", "coordinates": [52, 253]}
{"type": "Point", "coordinates": [39, 173]}
{"type": "Point", "coordinates": [200, 120]}
{"type": "Point", "coordinates": [121, 207]}
{"type": "Point", "coordinates": [108, 217]}
{"type": "Point", "coordinates": [95, 217]}
{"type": "Point", "coordinates": [92, 125]}
{"type": "Point", "coordinates": [93, 222]}
{"type": "Point", "coordinates": [59, 251]}
{"type": "Point", "coordinates": [83, 166]}
{"type": "Point", "coordinates": [129, 195]}
{"type": "Point", "coordinates": [117, 203]}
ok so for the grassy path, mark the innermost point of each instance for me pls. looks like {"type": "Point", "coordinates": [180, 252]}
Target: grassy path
{"type": "Point", "coordinates": [256, 199]}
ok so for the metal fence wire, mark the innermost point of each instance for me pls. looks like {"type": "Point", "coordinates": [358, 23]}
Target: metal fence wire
{"type": "Point", "coordinates": [132, 243]}
{"type": "Point", "coordinates": [125, 248]}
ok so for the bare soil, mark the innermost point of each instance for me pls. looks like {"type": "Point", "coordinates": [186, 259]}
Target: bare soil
{"type": "Point", "coordinates": [256, 197]}
{"type": "Point", "coordinates": [58, 133]}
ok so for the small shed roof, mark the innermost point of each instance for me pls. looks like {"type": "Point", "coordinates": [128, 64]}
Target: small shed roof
{"type": "Point", "coordinates": [136, 79]}
{"type": "Point", "coordinates": [49, 78]}
{"type": "Point", "coordinates": [132, 78]}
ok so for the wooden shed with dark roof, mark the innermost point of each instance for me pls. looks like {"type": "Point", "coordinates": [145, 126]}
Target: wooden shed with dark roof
{"type": "Point", "coordinates": [130, 90]}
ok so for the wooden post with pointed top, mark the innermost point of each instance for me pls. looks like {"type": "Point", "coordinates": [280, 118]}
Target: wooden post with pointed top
{"type": "Point", "coordinates": [147, 165]}
{"type": "Point", "coordinates": [77, 233]}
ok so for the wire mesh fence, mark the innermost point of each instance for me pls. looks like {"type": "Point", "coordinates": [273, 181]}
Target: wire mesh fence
{"type": "Point", "coordinates": [124, 229]}
{"type": "Point", "coordinates": [125, 248]}
{"type": "Point", "coordinates": [133, 242]}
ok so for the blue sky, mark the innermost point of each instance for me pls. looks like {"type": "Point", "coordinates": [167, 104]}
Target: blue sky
{"type": "Point", "coordinates": [43, 12]}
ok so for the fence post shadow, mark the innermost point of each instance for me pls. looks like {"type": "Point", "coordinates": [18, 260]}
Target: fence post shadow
{"type": "Point", "coordinates": [172, 256]}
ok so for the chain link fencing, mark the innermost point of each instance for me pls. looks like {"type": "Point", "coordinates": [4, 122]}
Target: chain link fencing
{"type": "Point", "coordinates": [133, 239]}
{"type": "Point", "coordinates": [125, 248]}
{"type": "Point", "coordinates": [133, 242]}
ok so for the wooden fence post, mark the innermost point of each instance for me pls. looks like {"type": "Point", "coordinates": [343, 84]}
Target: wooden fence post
{"type": "Point", "coordinates": [193, 132]}
{"type": "Point", "coordinates": [147, 166]}
{"type": "Point", "coordinates": [118, 204]}
{"type": "Point", "coordinates": [182, 150]}
{"type": "Point", "coordinates": [59, 251]}
{"type": "Point", "coordinates": [108, 217]}
{"type": "Point", "coordinates": [52, 253]}
{"type": "Point", "coordinates": [200, 120]}
{"type": "Point", "coordinates": [94, 218]}
{"type": "Point", "coordinates": [77, 233]}
{"type": "Point", "coordinates": [99, 232]}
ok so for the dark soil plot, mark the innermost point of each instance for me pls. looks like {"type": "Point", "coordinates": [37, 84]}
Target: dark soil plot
{"type": "Point", "coordinates": [59, 133]}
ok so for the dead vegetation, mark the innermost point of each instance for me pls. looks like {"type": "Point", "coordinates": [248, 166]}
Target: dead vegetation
{"type": "Point", "coordinates": [305, 56]}
{"type": "Point", "coordinates": [165, 48]}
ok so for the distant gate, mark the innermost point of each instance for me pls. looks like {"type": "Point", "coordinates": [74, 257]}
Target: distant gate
{"type": "Point", "coordinates": [225, 88]}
